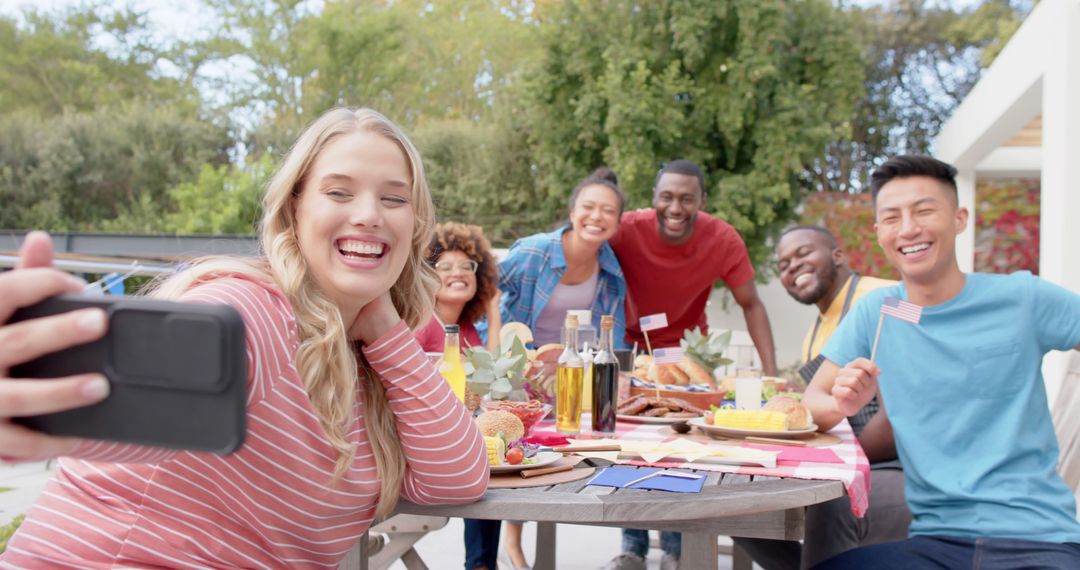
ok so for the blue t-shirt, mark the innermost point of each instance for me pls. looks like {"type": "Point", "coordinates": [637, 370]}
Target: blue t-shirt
{"type": "Point", "coordinates": [964, 392]}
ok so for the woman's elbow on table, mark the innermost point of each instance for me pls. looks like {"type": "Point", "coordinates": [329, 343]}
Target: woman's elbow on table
{"type": "Point", "coordinates": [465, 484]}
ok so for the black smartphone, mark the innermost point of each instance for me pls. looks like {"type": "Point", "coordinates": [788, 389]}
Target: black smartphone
{"type": "Point", "coordinates": [177, 374]}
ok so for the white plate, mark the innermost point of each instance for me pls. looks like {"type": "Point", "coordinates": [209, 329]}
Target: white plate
{"type": "Point", "coordinates": [736, 432]}
{"type": "Point", "coordinates": [649, 420]}
{"type": "Point", "coordinates": [542, 459]}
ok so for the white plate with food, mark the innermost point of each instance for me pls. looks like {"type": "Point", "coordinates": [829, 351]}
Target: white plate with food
{"type": "Point", "coordinates": [738, 432]}
{"type": "Point", "coordinates": [650, 419]}
{"type": "Point", "coordinates": [542, 459]}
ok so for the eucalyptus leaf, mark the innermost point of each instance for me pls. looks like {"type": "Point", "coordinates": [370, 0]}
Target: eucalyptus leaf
{"type": "Point", "coordinates": [482, 358]}
{"type": "Point", "coordinates": [500, 389]}
{"type": "Point", "coordinates": [478, 387]}
{"type": "Point", "coordinates": [518, 395]}
{"type": "Point", "coordinates": [483, 377]}
{"type": "Point", "coordinates": [504, 365]}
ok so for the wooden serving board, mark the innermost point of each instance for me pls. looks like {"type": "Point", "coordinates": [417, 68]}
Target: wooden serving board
{"type": "Point", "coordinates": [816, 439]}
{"type": "Point", "coordinates": [516, 481]}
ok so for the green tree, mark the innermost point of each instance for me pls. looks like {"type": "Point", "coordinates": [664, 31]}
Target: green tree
{"type": "Point", "coordinates": [920, 60]}
{"type": "Point", "coordinates": [77, 170]}
{"type": "Point", "coordinates": [224, 200]}
{"type": "Point", "coordinates": [54, 63]}
{"type": "Point", "coordinates": [412, 60]}
{"type": "Point", "coordinates": [751, 91]}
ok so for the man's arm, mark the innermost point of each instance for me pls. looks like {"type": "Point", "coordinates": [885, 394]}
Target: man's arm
{"type": "Point", "coordinates": [876, 438]}
{"type": "Point", "coordinates": [757, 321]}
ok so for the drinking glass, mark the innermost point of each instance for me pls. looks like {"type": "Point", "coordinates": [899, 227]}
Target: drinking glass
{"type": "Point", "coordinates": [748, 388]}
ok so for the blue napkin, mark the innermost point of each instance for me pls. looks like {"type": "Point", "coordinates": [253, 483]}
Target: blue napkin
{"type": "Point", "coordinates": [620, 476]}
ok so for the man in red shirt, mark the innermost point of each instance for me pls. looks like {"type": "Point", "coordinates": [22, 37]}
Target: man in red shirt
{"type": "Point", "coordinates": [671, 255]}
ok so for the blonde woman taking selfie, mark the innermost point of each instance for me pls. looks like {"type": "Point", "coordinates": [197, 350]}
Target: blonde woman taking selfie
{"type": "Point", "coordinates": [345, 414]}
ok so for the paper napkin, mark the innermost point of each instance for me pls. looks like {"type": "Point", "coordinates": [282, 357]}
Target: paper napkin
{"type": "Point", "coordinates": [620, 476]}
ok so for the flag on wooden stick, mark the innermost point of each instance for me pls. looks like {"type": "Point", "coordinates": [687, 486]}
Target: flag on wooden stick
{"type": "Point", "coordinates": [893, 307]}
{"type": "Point", "coordinates": [902, 310]}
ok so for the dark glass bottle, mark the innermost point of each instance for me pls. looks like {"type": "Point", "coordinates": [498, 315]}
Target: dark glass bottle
{"type": "Point", "coordinates": [605, 379]}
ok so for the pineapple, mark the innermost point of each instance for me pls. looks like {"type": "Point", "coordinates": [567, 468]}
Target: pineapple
{"type": "Point", "coordinates": [708, 350]}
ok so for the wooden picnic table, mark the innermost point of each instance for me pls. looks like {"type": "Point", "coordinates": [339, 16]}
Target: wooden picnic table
{"type": "Point", "coordinates": [751, 502]}
{"type": "Point", "coordinates": [730, 504]}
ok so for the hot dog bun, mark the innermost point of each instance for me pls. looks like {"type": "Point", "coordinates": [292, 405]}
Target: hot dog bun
{"type": "Point", "coordinates": [668, 374]}
{"type": "Point", "coordinates": [697, 373]}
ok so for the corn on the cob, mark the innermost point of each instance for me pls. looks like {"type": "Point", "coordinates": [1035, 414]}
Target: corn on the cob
{"type": "Point", "coordinates": [496, 450]}
{"type": "Point", "coordinates": [751, 419]}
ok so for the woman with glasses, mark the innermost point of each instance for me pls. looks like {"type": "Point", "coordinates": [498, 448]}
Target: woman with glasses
{"type": "Point", "coordinates": [469, 291]}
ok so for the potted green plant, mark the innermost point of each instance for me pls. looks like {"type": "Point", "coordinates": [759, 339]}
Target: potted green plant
{"type": "Point", "coordinates": [498, 374]}
{"type": "Point", "coordinates": [708, 350]}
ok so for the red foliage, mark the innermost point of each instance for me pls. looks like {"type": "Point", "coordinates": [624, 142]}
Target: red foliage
{"type": "Point", "coordinates": [1006, 227]}
{"type": "Point", "coordinates": [850, 217]}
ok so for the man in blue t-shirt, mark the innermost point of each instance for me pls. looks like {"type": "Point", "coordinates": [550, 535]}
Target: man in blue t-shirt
{"type": "Point", "coordinates": [962, 387]}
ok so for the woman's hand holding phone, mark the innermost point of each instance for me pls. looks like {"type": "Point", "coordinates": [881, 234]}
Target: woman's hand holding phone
{"type": "Point", "coordinates": [34, 281]}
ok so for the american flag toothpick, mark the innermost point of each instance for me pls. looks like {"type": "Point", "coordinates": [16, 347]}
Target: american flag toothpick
{"type": "Point", "coordinates": [672, 355]}
{"type": "Point", "coordinates": [902, 310]}
{"type": "Point", "coordinates": [651, 322]}
{"type": "Point", "coordinates": [896, 308]}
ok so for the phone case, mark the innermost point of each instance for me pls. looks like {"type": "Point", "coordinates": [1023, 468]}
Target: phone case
{"type": "Point", "coordinates": [178, 374]}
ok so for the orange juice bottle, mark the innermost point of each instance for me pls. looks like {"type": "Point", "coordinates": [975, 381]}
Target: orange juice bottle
{"type": "Point", "coordinates": [451, 368]}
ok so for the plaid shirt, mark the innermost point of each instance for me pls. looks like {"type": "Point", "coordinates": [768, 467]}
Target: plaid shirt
{"type": "Point", "coordinates": [533, 267]}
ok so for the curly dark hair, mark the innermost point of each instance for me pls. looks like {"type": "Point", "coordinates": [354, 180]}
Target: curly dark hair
{"type": "Point", "coordinates": [470, 240]}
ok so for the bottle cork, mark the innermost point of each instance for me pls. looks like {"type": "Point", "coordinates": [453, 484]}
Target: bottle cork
{"type": "Point", "coordinates": [571, 321]}
{"type": "Point", "coordinates": [607, 322]}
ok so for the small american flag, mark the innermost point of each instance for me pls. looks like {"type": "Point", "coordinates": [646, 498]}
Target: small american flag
{"type": "Point", "coordinates": [653, 322]}
{"type": "Point", "coordinates": [667, 355]}
{"type": "Point", "coordinates": [902, 310]}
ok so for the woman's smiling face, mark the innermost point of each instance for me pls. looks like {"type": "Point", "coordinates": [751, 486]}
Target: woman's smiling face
{"type": "Point", "coordinates": [354, 218]}
{"type": "Point", "coordinates": [595, 216]}
{"type": "Point", "coordinates": [457, 272]}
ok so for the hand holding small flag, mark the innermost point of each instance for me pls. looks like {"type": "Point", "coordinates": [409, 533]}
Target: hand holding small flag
{"type": "Point", "coordinates": [855, 385]}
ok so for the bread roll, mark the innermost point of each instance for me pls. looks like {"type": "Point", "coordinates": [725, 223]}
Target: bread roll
{"type": "Point", "coordinates": [498, 421]}
{"type": "Point", "coordinates": [668, 374]}
{"type": "Point", "coordinates": [696, 373]}
{"type": "Point", "coordinates": [798, 414]}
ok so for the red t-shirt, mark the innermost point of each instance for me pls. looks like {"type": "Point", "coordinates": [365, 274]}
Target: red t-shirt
{"type": "Point", "coordinates": [432, 338]}
{"type": "Point", "coordinates": [675, 279]}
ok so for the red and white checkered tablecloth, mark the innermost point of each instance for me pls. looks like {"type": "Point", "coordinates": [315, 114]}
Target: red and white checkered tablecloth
{"type": "Point", "coordinates": [853, 472]}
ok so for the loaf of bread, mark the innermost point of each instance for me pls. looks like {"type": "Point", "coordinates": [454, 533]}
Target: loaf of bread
{"type": "Point", "coordinates": [682, 373]}
{"type": "Point", "coordinates": [797, 413]}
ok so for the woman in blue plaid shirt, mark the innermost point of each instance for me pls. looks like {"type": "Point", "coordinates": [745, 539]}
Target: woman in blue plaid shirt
{"type": "Point", "coordinates": [545, 275]}
{"type": "Point", "coordinates": [573, 267]}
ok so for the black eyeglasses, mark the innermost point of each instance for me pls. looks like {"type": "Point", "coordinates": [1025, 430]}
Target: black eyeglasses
{"type": "Point", "coordinates": [447, 266]}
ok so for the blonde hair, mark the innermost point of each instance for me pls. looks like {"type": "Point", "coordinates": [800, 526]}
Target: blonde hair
{"type": "Point", "coordinates": [330, 369]}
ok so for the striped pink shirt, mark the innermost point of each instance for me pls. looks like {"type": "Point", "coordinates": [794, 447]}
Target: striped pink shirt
{"type": "Point", "coordinates": [269, 505]}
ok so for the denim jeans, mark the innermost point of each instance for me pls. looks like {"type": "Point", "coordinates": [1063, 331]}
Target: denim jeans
{"type": "Point", "coordinates": [481, 543]}
{"type": "Point", "coordinates": [637, 542]}
{"type": "Point", "coordinates": [947, 552]}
